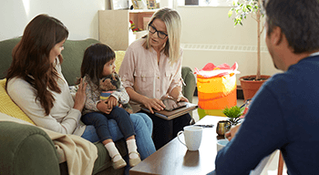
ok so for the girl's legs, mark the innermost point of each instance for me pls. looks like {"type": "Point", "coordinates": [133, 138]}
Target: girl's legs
{"type": "Point", "coordinates": [126, 126]}
{"type": "Point", "coordinates": [123, 121]}
{"type": "Point", "coordinates": [100, 122]}
{"type": "Point", "coordinates": [143, 127]}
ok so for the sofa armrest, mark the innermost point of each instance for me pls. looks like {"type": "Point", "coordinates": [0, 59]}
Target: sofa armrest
{"type": "Point", "coordinates": [26, 149]}
{"type": "Point", "coordinates": [189, 79]}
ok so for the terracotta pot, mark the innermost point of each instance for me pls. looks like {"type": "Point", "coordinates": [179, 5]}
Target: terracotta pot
{"type": "Point", "coordinates": [251, 87]}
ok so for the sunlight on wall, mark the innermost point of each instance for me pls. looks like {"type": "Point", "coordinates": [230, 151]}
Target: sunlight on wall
{"type": "Point", "coordinates": [26, 4]}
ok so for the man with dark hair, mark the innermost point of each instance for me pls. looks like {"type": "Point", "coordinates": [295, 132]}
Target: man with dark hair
{"type": "Point", "coordinates": [284, 114]}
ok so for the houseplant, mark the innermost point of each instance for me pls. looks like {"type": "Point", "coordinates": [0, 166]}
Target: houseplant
{"type": "Point", "coordinates": [233, 115]}
{"type": "Point", "coordinates": [251, 83]}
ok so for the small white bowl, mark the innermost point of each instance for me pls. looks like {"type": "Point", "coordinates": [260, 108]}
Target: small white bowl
{"type": "Point", "coordinates": [221, 144]}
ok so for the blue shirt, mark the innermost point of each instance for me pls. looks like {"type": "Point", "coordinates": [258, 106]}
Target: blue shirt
{"type": "Point", "coordinates": [284, 114]}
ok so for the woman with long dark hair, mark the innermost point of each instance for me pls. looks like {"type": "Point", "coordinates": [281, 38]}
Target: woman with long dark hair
{"type": "Point", "coordinates": [36, 84]}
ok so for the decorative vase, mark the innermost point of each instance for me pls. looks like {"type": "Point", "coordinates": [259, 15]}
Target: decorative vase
{"type": "Point", "coordinates": [222, 127]}
{"type": "Point", "coordinates": [251, 87]}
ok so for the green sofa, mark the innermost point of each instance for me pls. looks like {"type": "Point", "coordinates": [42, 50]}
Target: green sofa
{"type": "Point", "coordinates": [26, 150]}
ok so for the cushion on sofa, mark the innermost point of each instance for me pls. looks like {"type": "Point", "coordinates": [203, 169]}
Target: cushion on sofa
{"type": "Point", "coordinates": [119, 55]}
{"type": "Point", "coordinates": [8, 107]}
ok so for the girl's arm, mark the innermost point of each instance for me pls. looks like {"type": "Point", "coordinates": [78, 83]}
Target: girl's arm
{"type": "Point", "coordinates": [92, 98]}
{"type": "Point", "coordinates": [121, 95]}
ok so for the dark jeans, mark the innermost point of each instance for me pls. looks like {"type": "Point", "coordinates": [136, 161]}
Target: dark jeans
{"type": "Point", "coordinates": [165, 130]}
{"type": "Point", "coordinates": [100, 122]}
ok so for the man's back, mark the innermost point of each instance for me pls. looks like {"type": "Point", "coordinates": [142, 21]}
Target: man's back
{"type": "Point", "coordinates": [283, 115]}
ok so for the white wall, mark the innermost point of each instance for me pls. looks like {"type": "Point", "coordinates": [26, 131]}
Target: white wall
{"type": "Point", "coordinates": [79, 16]}
{"type": "Point", "coordinates": [211, 25]}
{"type": "Point", "coordinates": [201, 25]}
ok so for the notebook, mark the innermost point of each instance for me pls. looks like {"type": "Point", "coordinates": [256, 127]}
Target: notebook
{"type": "Point", "coordinates": [169, 114]}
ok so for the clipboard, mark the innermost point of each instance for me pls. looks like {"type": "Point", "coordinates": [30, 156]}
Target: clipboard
{"type": "Point", "coordinates": [169, 115]}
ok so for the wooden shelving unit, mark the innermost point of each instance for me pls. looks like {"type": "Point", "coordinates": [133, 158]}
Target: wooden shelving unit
{"type": "Point", "coordinates": [114, 26]}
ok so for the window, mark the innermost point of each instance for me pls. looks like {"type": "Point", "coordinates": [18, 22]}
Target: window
{"type": "Point", "coordinates": [215, 3]}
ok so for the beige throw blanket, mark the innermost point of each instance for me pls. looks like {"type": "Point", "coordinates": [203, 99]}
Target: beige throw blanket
{"type": "Point", "coordinates": [79, 153]}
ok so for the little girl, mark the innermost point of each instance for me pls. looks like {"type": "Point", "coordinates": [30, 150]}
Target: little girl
{"type": "Point", "coordinates": [98, 62]}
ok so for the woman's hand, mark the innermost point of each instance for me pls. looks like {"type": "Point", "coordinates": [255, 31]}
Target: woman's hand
{"type": "Point", "coordinates": [80, 96]}
{"type": "Point", "coordinates": [103, 107]}
{"type": "Point", "coordinates": [232, 132]}
{"type": "Point", "coordinates": [153, 103]}
{"type": "Point", "coordinates": [182, 98]}
{"type": "Point", "coordinates": [111, 102]}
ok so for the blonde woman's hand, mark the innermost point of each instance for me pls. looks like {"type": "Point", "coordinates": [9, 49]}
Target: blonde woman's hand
{"type": "Point", "coordinates": [232, 132]}
{"type": "Point", "coordinates": [182, 98]}
{"type": "Point", "coordinates": [80, 96]}
{"type": "Point", "coordinates": [153, 103]}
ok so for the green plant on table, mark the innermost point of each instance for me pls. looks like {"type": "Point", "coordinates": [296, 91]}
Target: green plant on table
{"type": "Point", "coordinates": [242, 8]}
{"type": "Point", "coordinates": [233, 114]}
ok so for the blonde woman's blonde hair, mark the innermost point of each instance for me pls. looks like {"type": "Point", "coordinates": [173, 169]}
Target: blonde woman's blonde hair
{"type": "Point", "coordinates": [172, 20]}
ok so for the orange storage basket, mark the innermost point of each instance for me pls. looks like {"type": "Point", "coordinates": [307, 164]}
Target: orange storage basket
{"type": "Point", "coordinates": [216, 88]}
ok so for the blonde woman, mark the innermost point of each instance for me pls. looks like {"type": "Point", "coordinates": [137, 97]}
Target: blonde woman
{"type": "Point", "coordinates": [151, 70]}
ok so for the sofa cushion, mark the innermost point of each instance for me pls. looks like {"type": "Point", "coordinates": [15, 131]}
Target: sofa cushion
{"type": "Point", "coordinates": [72, 58]}
{"type": "Point", "coordinates": [25, 150]}
{"type": "Point", "coordinates": [119, 55]}
{"type": "Point", "coordinates": [8, 107]}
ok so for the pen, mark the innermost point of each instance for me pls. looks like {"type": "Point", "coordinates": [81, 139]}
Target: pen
{"type": "Point", "coordinates": [205, 126]}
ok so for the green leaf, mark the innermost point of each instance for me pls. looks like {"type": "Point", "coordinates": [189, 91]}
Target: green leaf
{"type": "Point", "coordinates": [230, 13]}
{"type": "Point", "coordinates": [233, 112]}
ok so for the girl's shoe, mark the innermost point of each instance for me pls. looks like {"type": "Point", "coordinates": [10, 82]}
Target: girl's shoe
{"type": "Point", "coordinates": [118, 164]}
{"type": "Point", "coordinates": [134, 162]}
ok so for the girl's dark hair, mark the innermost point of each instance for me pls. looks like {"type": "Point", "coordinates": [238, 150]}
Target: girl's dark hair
{"type": "Point", "coordinates": [31, 57]}
{"type": "Point", "coordinates": [94, 59]}
{"type": "Point", "coordinates": [298, 20]}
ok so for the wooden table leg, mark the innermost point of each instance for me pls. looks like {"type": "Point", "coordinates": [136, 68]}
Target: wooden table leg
{"type": "Point", "coordinates": [280, 164]}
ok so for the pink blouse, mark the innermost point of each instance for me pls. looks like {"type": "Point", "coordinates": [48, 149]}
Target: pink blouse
{"type": "Point", "coordinates": [141, 71]}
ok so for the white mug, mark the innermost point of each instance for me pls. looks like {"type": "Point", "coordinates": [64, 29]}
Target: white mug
{"type": "Point", "coordinates": [192, 136]}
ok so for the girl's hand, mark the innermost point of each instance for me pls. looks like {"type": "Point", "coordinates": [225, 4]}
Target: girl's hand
{"type": "Point", "coordinates": [153, 103]}
{"type": "Point", "coordinates": [111, 102]}
{"type": "Point", "coordinates": [103, 107]}
{"type": "Point", "coordinates": [80, 96]}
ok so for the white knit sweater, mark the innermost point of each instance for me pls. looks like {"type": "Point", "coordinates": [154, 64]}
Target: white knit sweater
{"type": "Point", "coordinates": [63, 118]}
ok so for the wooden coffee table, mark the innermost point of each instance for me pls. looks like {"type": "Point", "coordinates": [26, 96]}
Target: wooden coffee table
{"type": "Point", "coordinates": [173, 158]}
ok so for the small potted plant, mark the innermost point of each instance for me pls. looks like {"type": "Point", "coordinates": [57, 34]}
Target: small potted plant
{"type": "Point", "coordinates": [233, 115]}
{"type": "Point", "coordinates": [242, 8]}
